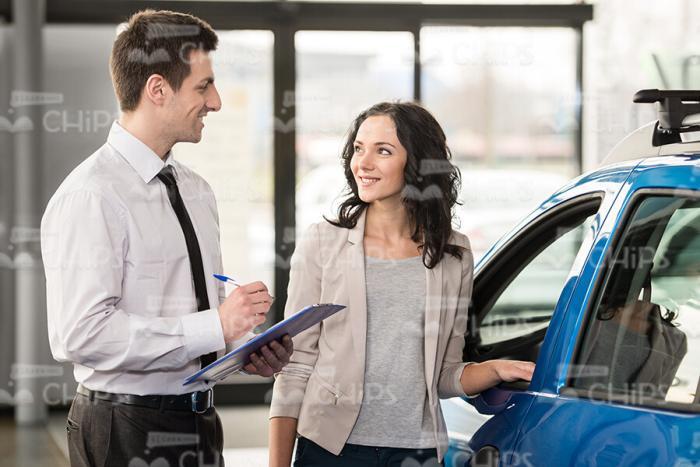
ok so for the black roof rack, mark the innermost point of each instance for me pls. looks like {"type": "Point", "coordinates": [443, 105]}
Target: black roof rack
{"type": "Point", "coordinates": [674, 107]}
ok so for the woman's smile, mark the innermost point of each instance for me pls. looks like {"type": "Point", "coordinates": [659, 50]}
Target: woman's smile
{"type": "Point", "coordinates": [367, 181]}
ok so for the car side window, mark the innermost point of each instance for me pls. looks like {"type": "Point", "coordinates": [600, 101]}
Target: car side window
{"type": "Point", "coordinates": [515, 298]}
{"type": "Point", "coordinates": [527, 304]}
{"type": "Point", "coordinates": [642, 342]}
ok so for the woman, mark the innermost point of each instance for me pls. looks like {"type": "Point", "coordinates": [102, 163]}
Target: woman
{"type": "Point", "coordinates": [362, 387]}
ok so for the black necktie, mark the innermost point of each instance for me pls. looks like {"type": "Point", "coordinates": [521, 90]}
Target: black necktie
{"type": "Point", "coordinates": [200, 286]}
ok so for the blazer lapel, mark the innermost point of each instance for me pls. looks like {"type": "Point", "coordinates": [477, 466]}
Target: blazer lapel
{"type": "Point", "coordinates": [357, 294]}
{"type": "Point", "coordinates": [433, 318]}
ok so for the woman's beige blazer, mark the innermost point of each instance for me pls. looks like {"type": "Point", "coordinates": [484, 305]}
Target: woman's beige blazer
{"type": "Point", "coordinates": [322, 386]}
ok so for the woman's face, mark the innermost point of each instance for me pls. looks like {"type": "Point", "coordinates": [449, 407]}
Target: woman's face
{"type": "Point", "coordinates": [378, 160]}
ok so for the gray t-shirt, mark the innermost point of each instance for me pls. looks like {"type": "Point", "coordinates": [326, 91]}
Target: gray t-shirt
{"type": "Point", "coordinates": [395, 410]}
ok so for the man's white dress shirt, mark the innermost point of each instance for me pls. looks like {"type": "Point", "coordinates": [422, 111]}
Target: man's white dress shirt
{"type": "Point", "coordinates": [120, 295]}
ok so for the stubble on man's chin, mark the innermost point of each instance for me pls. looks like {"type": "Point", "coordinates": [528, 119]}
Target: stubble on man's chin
{"type": "Point", "coordinates": [191, 138]}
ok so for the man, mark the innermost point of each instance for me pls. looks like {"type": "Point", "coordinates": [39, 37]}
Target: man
{"type": "Point", "coordinates": [130, 241]}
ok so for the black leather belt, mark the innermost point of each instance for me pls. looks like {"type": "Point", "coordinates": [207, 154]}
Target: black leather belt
{"type": "Point", "coordinates": [197, 402]}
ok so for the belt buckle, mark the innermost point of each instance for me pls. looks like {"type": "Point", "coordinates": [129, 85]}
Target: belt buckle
{"type": "Point", "coordinates": [201, 401]}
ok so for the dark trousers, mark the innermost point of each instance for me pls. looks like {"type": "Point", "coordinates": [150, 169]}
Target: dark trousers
{"type": "Point", "coordinates": [310, 454]}
{"type": "Point", "coordinates": [102, 433]}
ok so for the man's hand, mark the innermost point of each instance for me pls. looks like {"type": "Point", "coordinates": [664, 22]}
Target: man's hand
{"type": "Point", "coordinates": [243, 310]}
{"type": "Point", "coordinates": [271, 359]}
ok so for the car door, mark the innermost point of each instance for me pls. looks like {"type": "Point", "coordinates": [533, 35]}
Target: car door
{"type": "Point", "coordinates": [518, 289]}
{"type": "Point", "coordinates": [624, 370]}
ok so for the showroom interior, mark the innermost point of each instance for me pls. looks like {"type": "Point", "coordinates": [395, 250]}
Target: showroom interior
{"type": "Point", "coordinates": [530, 94]}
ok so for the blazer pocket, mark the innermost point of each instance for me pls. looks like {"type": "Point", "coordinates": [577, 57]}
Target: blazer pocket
{"type": "Point", "coordinates": [322, 391]}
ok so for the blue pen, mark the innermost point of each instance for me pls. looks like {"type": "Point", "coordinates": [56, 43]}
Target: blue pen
{"type": "Point", "coordinates": [230, 280]}
{"type": "Point", "coordinates": [223, 278]}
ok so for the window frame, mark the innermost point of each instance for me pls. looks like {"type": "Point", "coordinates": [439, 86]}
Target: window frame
{"type": "Point", "coordinates": [599, 288]}
{"type": "Point", "coordinates": [515, 258]}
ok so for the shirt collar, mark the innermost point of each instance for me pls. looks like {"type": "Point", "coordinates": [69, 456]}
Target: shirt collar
{"type": "Point", "coordinates": [139, 156]}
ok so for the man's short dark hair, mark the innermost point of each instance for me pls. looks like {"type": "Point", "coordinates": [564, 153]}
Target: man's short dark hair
{"type": "Point", "coordinates": [156, 42]}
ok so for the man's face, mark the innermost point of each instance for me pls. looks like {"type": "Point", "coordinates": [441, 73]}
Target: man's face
{"type": "Point", "coordinates": [196, 97]}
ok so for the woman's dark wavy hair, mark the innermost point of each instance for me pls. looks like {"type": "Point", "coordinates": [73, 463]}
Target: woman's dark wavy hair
{"type": "Point", "coordinates": [432, 181]}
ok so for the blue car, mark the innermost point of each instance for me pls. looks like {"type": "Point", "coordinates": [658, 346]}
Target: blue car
{"type": "Point", "coordinates": [600, 286]}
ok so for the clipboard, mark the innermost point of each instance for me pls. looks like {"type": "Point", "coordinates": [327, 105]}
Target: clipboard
{"type": "Point", "coordinates": [238, 357]}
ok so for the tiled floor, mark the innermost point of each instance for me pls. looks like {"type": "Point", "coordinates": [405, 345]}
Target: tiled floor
{"type": "Point", "coordinates": [245, 440]}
